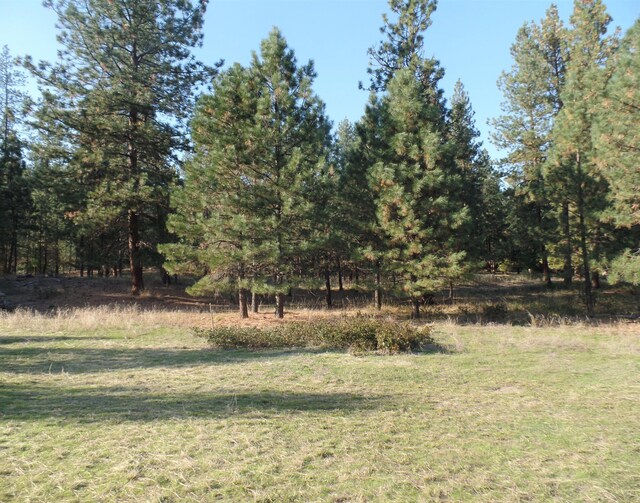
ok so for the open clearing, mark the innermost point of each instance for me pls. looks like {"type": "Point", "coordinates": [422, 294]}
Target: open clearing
{"type": "Point", "coordinates": [124, 405]}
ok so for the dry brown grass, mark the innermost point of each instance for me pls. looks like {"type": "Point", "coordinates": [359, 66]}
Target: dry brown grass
{"type": "Point", "coordinates": [128, 317]}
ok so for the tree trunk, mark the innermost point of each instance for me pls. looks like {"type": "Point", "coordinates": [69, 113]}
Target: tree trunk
{"type": "Point", "coordinates": [279, 305]}
{"type": "Point", "coordinates": [566, 229]}
{"type": "Point", "coordinates": [378, 289]}
{"type": "Point", "coordinates": [45, 262]}
{"type": "Point", "coordinates": [546, 272]}
{"type": "Point", "coordinates": [254, 302]}
{"type": "Point", "coordinates": [327, 284]}
{"type": "Point", "coordinates": [57, 259]}
{"type": "Point", "coordinates": [588, 294]}
{"type": "Point", "coordinates": [135, 262]}
{"type": "Point", "coordinates": [13, 254]}
{"type": "Point", "coordinates": [451, 298]}
{"type": "Point", "coordinates": [242, 303]}
{"type": "Point", "coordinates": [415, 312]}
{"type": "Point", "coordinates": [340, 283]}
{"type": "Point", "coordinates": [595, 279]}
{"type": "Point", "coordinates": [28, 255]}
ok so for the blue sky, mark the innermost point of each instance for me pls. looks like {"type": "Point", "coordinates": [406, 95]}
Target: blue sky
{"type": "Point", "coordinates": [471, 38]}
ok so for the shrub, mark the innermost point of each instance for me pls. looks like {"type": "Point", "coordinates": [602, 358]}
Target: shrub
{"type": "Point", "coordinates": [355, 334]}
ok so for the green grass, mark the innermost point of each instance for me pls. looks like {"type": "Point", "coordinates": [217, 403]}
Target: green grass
{"type": "Point", "coordinates": [146, 412]}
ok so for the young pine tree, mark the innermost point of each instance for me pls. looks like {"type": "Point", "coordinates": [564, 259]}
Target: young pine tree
{"type": "Point", "coordinates": [472, 165]}
{"type": "Point", "coordinates": [416, 204]}
{"type": "Point", "coordinates": [245, 212]}
{"type": "Point", "coordinates": [403, 122]}
{"type": "Point", "coordinates": [360, 194]}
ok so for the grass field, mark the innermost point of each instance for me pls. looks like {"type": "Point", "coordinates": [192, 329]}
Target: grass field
{"type": "Point", "coordinates": [124, 405]}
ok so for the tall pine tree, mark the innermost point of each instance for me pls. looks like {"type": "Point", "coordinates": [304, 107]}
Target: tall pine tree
{"type": "Point", "coordinates": [617, 147]}
{"type": "Point", "coordinates": [417, 187]}
{"type": "Point", "coordinates": [122, 91]}
{"type": "Point", "coordinates": [572, 163]}
{"type": "Point", "coordinates": [14, 185]}
{"type": "Point", "coordinates": [532, 100]}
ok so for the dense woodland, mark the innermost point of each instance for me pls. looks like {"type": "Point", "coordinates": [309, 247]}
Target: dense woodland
{"type": "Point", "coordinates": [123, 164]}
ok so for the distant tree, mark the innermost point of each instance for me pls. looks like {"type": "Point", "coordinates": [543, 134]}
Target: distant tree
{"type": "Point", "coordinates": [328, 242]}
{"type": "Point", "coordinates": [50, 229]}
{"type": "Point", "coordinates": [246, 211]}
{"type": "Point", "coordinates": [491, 223]}
{"type": "Point", "coordinates": [616, 137]}
{"type": "Point", "coordinates": [572, 162]}
{"type": "Point", "coordinates": [360, 194]}
{"type": "Point", "coordinates": [14, 187]}
{"type": "Point", "coordinates": [343, 203]}
{"type": "Point", "coordinates": [122, 91]}
{"type": "Point", "coordinates": [14, 201]}
{"type": "Point", "coordinates": [471, 163]}
{"type": "Point", "coordinates": [12, 95]}
{"type": "Point", "coordinates": [532, 100]}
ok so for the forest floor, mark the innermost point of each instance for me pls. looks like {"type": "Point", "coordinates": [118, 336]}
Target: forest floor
{"type": "Point", "coordinates": [484, 298]}
{"type": "Point", "coordinates": [118, 401]}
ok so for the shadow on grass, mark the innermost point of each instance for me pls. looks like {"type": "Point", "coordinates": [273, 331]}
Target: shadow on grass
{"type": "Point", "coordinates": [21, 339]}
{"type": "Point", "coordinates": [45, 360]}
{"type": "Point", "coordinates": [20, 402]}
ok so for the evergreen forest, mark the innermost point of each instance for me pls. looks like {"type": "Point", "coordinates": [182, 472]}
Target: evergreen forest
{"type": "Point", "coordinates": [137, 159]}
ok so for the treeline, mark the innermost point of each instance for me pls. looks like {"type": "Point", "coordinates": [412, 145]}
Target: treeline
{"type": "Point", "coordinates": [119, 166]}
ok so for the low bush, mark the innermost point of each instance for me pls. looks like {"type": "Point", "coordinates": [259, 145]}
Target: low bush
{"type": "Point", "coordinates": [355, 334]}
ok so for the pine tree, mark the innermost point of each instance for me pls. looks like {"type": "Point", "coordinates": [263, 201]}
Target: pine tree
{"type": "Point", "coordinates": [617, 141]}
{"type": "Point", "coordinates": [328, 238]}
{"type": "Point", "coordinates": [14, 186]}
{"type": "Point", "coordinates": [572, 163]}
{"type": "Point", "coordinates": [122, 91]}
{"type": "Point", "coordinates": [532, 100]}
{"type": "Point", "coordinates": [417, 208]}
{"type": "Point", "coordinates": [342, 202]}
{"type": "Point", "coordinates": [403, 44]}
{"type": "Point", "coordinates": [388, 152]}
{"type": "Point", "coordinates": [472, 165]}
{"type": "Point", "coordinates": [483, 235]}
{"type": "Point", "coordinates": [360, 195]}
{"type": "Point", "coordinates": [49, 226]}
{"type": "Point", "coordinates": [215, 206]}
{"type": "Point", "coordinates": [246, 209]}
{"type": "Point", "coordinates": [11, 96]}
{"type": "Point", "coordinates": [14, 201]}
{"type": "Point", "coordinates": [492, 221]}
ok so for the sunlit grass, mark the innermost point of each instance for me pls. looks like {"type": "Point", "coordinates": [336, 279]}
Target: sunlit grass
{"type": "Point", "coordinates": [123, 404]}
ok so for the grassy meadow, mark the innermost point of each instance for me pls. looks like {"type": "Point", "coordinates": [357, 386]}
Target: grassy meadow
{"type": "Point", "coordinates": [124, 404]}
